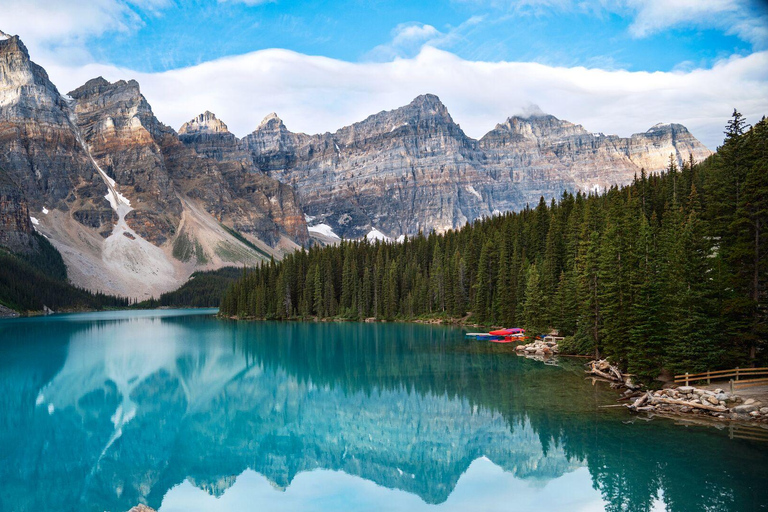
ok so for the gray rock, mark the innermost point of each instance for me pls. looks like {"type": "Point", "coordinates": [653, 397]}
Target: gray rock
{"type": "Point", "coordinates": [686, 389]}
{"type": "Point", "coordinates": [413, 168]}
{"type": "Point", "coordinates": [764, 410]}
{"type": "Point", "coordinates": [749, 401]}
{"type": "Point", "coordinates": [744, 408]}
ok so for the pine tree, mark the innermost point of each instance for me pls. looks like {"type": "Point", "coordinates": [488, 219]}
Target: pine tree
{"type": "Point", "coordinates": [534, 306]}
{"type": "Point", "coordinates": [647, 332]}
{"type": "Point", "coordinates": [482, 301]}
{"type": "Point", "coordinates": [318, 303]}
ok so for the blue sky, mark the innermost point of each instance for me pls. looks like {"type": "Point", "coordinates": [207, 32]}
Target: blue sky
{"type": "Point", "coordinates": [354, 30]}
{"type": "Point", "coordinates": [614, 66]}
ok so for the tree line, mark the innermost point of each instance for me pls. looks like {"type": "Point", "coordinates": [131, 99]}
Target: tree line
{"type": "Point", "coordinates": [30, 282]}
{"type": "Point", "coordinates": [669, 271]}
{"type": "Point", "coordinates": [204, 289]}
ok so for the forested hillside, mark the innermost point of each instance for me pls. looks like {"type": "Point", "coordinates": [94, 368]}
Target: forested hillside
{"type": "Point", "coordinates": [29, 282]}
{"type": "Point", "coordinates": [203, 290]}
{"type": "Point", "coordinates": [670, 271]}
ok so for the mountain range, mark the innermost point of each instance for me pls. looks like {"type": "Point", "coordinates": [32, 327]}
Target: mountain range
{"type": "Point", "coordinates": [134, 207]}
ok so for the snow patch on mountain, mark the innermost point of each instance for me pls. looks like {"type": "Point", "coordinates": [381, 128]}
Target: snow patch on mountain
{"type": "Point", "coordinates": [375, 234]}
{"type": "Point", "coordinates": [323, 229]}
{"type": "Point", "coordinates": [474, 192]}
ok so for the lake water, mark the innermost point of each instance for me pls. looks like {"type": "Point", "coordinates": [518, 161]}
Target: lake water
{"type": "Point", "coordinates": [183, 412]}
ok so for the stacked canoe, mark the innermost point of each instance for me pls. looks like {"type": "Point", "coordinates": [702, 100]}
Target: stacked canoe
{"type": "Point", "coordinates": [513, 335]}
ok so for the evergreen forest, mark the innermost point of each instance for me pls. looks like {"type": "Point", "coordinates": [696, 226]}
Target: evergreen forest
{"type": "Point", "coordinates": [667, 272]}
{"type": "Point", "coordinates": [204, 289]}
{"type": "Point", "coordinates": [31, 281]}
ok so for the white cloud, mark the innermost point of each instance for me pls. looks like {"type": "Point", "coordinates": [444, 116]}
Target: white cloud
{"type": "Point", "coordinates": [409, 38]}
{"type": "Point", "coordinates": [733, 16]}
{"type": "Point", "coordinates": [60, 29]}
{"type": "Point", "coordinates": [318, 94]}
{"type": "Point", "coordinates": [747, 19]}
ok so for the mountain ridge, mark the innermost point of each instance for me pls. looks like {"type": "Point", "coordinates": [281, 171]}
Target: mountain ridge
{"type": "Point", "coordinates": [103, 165]}
{"type": "Point", "coordinates": [132, 210]}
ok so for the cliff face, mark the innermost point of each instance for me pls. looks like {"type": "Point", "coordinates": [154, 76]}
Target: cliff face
{"type": "Point", "coordinates": [118, 125]}
{"type": "Point", "coordinates": [402, 171]}
{"type": "Point", "coordinates": [414, 169]}
{"type": "Point", "coordinates": [15, 225]}
{"type": "Point", "coordinates": [40, 151]}
{"type": "Point", "coordinates": [133, 210]}
{"type": "Point", "coordinates": [236, 192]}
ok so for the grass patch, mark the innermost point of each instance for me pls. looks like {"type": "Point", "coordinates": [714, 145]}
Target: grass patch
{"type": "Point", "coordinates": [183, 247]}
{"type": "Point", "coordinates": [200, 255]}
{"type": "Point", "coordinates": [245, 241]}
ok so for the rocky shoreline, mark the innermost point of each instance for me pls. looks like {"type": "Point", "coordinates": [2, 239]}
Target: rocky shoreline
{"type": "Point", "coordinates": [691, 400]}
{"type": "Point", "coordinates": [7, 312]}
{"type": "Point", "coordinates": [682, 401]}
{"type": "Point", "coordinates": [543, 347]}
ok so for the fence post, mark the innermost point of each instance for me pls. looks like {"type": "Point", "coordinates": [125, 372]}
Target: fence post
{"type": "Point", "coordinates": [686, 378]}
{"type": "Point", "coordinates": [731, 382]}
{"type": "Point", "coordinates": [737, 373]}
{"type": "Point", "coordinates": [708, 380]}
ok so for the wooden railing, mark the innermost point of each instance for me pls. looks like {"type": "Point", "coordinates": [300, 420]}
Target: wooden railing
{"type": "Point", "coordinates": [740, 377]}
{"type": "Point", "coordinates": [749, 432]}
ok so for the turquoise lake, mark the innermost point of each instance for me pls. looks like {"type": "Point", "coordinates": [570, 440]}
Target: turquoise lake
{"type": "Point", "coordinates": [184, 412]}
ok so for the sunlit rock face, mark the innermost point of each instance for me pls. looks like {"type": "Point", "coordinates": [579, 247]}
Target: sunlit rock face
{"type": "Point", "coordinates": [400, 172]}
{"type": "Point", "coordinates": [414, 169]}
{"type": "Point", "coordinates": [237, 192]}
{"type": "Point", "coordinates": [147, 158]}
{"type": "Point", "coordinates": [38, 147]}
{"type": "Point", "coordinates": [118, 125]}
{"type": "Point", "coordinates": [96, 163]}
{"type": "Point", "coordinates": [542, 156]}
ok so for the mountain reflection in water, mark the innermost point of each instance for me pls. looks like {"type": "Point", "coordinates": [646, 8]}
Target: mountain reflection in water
{"type": "Point", "coordinates": [104, 411]}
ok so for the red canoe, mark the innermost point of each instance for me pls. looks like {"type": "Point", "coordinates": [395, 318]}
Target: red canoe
{"type": "Point", "coordinates": [507, 332]}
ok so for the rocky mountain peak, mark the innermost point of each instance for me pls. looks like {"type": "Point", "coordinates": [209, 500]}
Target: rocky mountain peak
{"type": "Point", "coordinates": [426, 113]}
{"type": "Point", "coordinates": [271, 121]}
{"type": "Point", "coordinates": [9, 44]}
{"type": "Point", "coordinates": [425, 107]}
{"type": "Point", "coordinates": [666, 128]}
{"type": "Point", "coordinates": [204, 123]}
{"type": "Point", "coordinates": [542, 125]}
{"type": "Point", "coordinates": [99, 85]}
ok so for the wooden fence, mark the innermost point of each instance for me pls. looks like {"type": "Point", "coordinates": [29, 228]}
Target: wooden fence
{"type": "Point", "coordinates": [739, 377]}
{"type": "Point", "coordinates": [748, 432]}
